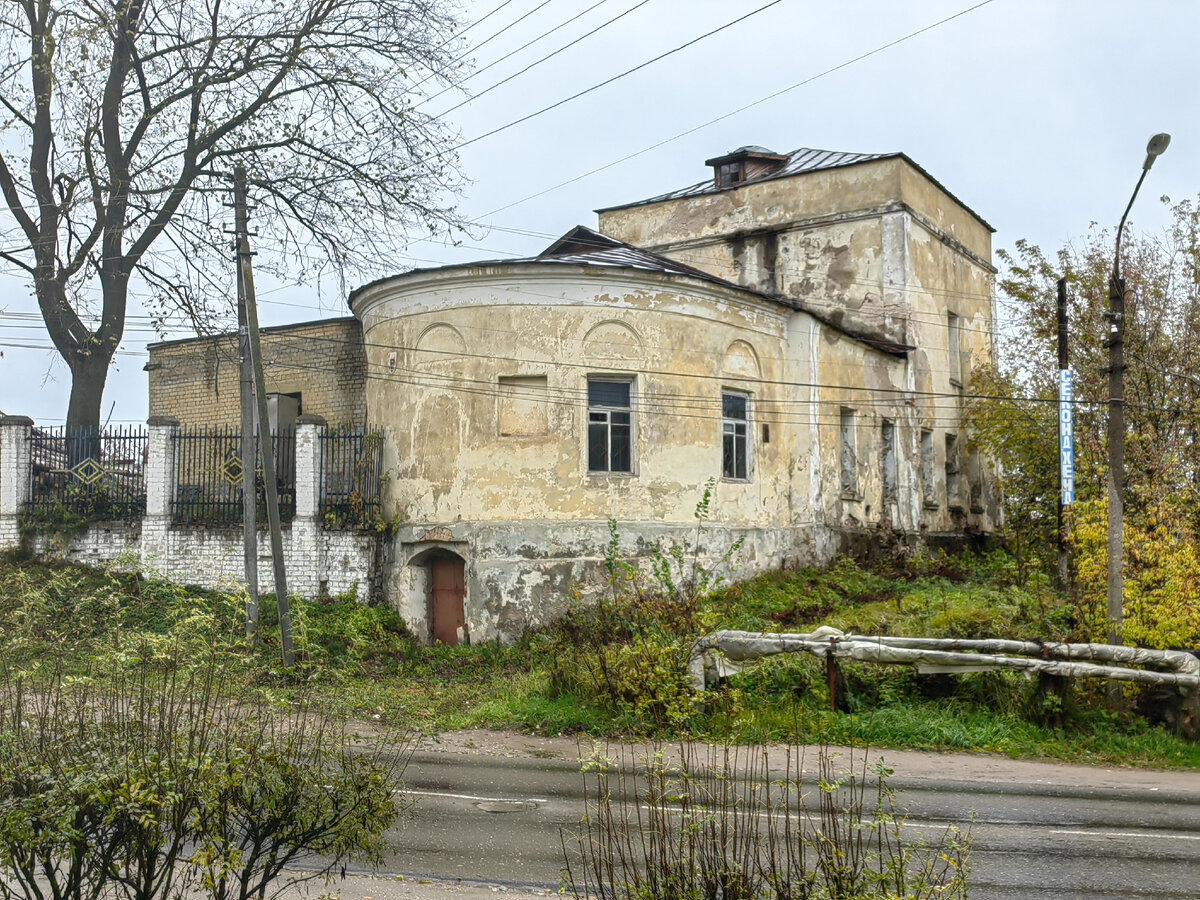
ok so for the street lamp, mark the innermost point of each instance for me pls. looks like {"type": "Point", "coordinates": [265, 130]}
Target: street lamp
{"type": "Point", "coordinates": [1116, 411]}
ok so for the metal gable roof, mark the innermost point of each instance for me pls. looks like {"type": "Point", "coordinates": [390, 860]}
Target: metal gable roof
{"type": "Point", "coordinates": [799, 161]}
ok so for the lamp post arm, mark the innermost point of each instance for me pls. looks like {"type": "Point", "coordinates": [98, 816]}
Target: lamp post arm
{"type": "Point", "coordinates": [1116, 273]}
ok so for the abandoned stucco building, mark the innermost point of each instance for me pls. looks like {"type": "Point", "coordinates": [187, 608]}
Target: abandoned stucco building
{"type": "Point", "coordinates": [799, 327]}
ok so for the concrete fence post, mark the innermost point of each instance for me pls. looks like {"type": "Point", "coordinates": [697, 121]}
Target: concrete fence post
{"type": "Point", "coordinates": [159, 476]}
{"type": "Point", "coordinates": [16, 434]}
{"type": "Point", "coordinates": [308, 563]}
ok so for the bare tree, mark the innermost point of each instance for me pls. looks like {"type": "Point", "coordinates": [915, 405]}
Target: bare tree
{"type": "Point", "coordinates": [123, 118]}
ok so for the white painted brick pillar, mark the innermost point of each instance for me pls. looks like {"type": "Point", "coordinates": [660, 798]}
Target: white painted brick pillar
{"type": "Point", "coordinates": [159, 476]}
{"type": "Point", "coordinates": [308, 563]}
{"type": "Point", "coordinates": [15, 435]}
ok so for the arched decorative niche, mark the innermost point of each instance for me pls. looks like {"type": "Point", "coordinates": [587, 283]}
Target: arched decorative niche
{"type": "Point", "coordinates": [741, 361]}
{"type": "Point", "coordinates": [612, 341]}
{"type": "Point", "coordinates": [439, 345]}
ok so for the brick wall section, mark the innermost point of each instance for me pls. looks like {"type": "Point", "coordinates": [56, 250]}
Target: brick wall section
{"type": "Point", "coordinates": [196, 381]}
{"type": "Point", "coordinates": [318, 561]}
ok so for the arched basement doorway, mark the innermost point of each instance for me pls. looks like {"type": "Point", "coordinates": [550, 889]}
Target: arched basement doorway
{"type": "Point", "coordinates": [445, 594]}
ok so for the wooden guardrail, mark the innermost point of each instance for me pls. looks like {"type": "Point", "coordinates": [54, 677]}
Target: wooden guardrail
{"type": "Point", "coordinates": [717, 655]}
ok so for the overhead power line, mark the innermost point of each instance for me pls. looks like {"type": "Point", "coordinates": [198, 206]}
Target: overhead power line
{"type": "Point", "coordinates": [740, 109]}
{"type": "Point", "coordinates": [548, 56]}
{"type": "Point", "coordinates": [545, 34]}
{"type": "Point", "coordinates": [608, 81]}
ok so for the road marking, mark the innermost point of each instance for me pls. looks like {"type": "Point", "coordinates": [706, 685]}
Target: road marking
{"type": "Point", "coordinates": [477, 799]}
{"type": "Point", "coordinates": [1132, 834]}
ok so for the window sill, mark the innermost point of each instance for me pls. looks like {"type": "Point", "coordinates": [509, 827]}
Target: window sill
{"type": "Point", "coordinates": [931, 504]}
{"type": "Point", "coordinates": [725, 480]}
{"type": "Point", "coordinates": [601, 474]}
{"type": "Point", "coordinates": [852, 495]}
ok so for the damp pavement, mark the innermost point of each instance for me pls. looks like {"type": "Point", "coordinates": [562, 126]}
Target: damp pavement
{"type": "Point", "coordinates": [491, 809]}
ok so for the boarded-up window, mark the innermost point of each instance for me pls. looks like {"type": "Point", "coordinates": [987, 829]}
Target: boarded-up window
{"type": "Point", "coordinates": [887, 441]}
{"type": "Point", "coordinates": [953, 497]}
{"type": "Point", "coordinates": [975, 478]}
{"type": "Point", "coordinates": [521, 406]}
{"type": "Point", "coordinates": [849, 454]}
{"type": "Point", "coordinates": [928, 497]}
{"type": "Point", "coordinates": [953, 329]}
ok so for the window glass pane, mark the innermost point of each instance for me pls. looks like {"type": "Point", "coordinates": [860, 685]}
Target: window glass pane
{"type": "Point", "coordinates": [608, 393]}
{"type": "Point", "coordinates": [727, 456]}
{"type": "Point", "coordinates": [598, 447]}
{"type": "Point", "coordinates": [621, 452]}
{"type": "Point", "coordinates": [733, 406]}
{"type": "Point", "coordinates": [619, 418]}
{"type": "Point", "coordinates": [739, 464]}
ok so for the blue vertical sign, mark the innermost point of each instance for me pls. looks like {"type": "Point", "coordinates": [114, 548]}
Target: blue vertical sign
{"type": "Point", "coordinates": [1066, 436]}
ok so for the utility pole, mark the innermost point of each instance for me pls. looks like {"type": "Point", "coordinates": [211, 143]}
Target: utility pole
{"type": "Point", "coordinates": [1116, 418]}
{"type": "Point", "coordinates": [248, 453]}
{"type": "Point", "coordinates": [266, 448]}
{"type": "Point", "coordinates": [1066, 436]}
{"type": "Point", "coordinates": [1116, 453]}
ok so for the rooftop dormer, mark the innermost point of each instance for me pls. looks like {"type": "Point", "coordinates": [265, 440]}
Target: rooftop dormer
{"type": "Point", "coordinates": [744, 164]}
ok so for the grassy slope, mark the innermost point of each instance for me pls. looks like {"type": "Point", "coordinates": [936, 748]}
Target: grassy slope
{"type": "Point", "coordinates": [361, 662]}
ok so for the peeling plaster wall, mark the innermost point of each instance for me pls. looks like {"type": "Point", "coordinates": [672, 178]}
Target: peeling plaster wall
{"type": "Point", "coordinates": [456, 338]}
{"type": "Point", "coordinates": [522, 574]}
{"type": "Point", "coordinates": [882, 249]}
{"type": "Point", "coordinates": [487, 415]}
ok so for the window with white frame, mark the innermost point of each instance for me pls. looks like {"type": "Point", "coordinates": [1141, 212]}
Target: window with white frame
{"type": "Point", "coordinates": [735, 436]}
{"type": "Point", "coordinates": [610, 425]}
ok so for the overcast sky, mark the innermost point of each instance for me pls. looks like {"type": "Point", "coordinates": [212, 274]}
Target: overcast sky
{"type": "Point", "coordinates": [1035, 113]}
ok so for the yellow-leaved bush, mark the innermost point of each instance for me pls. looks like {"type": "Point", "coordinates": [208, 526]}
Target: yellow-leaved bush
{"type": "Point", "coordinates": [1161, 606]}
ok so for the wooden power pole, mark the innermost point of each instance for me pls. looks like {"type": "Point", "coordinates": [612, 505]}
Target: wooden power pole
{"type": "Point", "coordinates": [266, 448]}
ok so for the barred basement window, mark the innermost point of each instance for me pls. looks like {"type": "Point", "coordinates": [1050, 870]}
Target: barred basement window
{"type": "Point", "coordinates": [610, 427]}
{"type": "Point", "coordinates": [735, 430]}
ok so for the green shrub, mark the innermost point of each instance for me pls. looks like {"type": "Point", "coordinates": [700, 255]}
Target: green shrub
{"type": "Point", "coordinates": [139, 783]}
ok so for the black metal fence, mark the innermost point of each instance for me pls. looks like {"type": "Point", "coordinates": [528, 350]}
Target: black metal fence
{"type": "Point", "coordinates": [208, 476]}
{"type": "Point", "coordinates": [351, 462]}
{"type": "Point", "coordinates": [87, 473]}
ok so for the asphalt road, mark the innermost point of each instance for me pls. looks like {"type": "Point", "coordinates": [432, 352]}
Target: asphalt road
{"type": "Point", "coordinates": [1040, 831]}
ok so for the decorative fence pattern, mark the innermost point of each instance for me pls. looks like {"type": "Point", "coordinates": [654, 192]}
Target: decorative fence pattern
{"type": "Point", "coordinates": [87, 473]}
{"type": "Point", "coordinates": [208, 476]}
{"type": "Point", "coordinates": [351, 465]}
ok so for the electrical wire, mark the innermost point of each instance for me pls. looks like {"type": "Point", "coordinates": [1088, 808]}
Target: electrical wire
{"type": "Point", "coordinates": [608, 81]}
{"type": "Point", "coordinates": [740, 109]}
{"type": "Point", "coordinates": [548, 56]}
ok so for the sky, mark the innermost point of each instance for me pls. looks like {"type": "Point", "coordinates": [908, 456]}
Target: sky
{"type": "Point", "coordinates": [1035, 113]}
